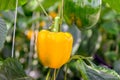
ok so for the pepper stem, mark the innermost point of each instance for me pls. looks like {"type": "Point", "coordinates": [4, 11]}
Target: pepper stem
{"type": "Point", "coordinates": [54, 74]}
{"type": "Point", "coordinates": [48, 75]}
{"type": "Point", "coordinates": [56, 24]}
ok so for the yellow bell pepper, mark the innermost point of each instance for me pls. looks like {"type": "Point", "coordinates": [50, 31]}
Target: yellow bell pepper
{"type": "Point", "coordinates": [54, 48]}
{"type": "Point", "coordinates": [29, 34]}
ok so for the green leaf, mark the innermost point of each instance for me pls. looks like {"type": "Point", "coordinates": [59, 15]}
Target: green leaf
{"type": "Point", "coordinates": [1, 64]}
{"type": "Point", "coordinates": [81, 67]}
{"type": "Point", "coordinates": [111, 55]}
{"type": "Point", "coordinates": [94, 72]}
{"type": "Point", "coordinates": [88, 38]}
{"type": "Point", "coordinates": [111, 27]}
{"type": "Point", "coordinates": [101, 73]}
{"type": "Point", "coordinates": [115, 4]}
{"type": "Point", "coordinates": [11, 69]}
{"type": "Point", "coordinates": [10, 4]}
{"type": "Point", "coordinates": [34, 4]}
{"type": "Point", "coordinates": [3, 32]}
{"type": "Point", "coordinates": [116, 66]}
{"type": "Point", "coordinates": [8, 16]}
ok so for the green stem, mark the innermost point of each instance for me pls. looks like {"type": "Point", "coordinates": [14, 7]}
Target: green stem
{"type": "Point", "coordinates": [14, 32]}
{"type": "Point", "coordinates": [90, 63]}
{"type": "Point", "coordinates": [56, 24]}
{"type": "Point", "coordinates": [41, 6]}
{"type": "Point", "coordinates": [65, 78]}
{"type": "Point", "coordinates": [48, 74]}
{"type": "Point", "coordinates": [55, 74]}
{"type": "Point", "coordinates": [61, 11]}
{"type": "Point", "coordinates": [78, 57]}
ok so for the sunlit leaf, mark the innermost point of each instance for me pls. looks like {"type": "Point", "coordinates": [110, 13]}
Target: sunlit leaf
{"type": "Point", "coordinates": [10, 4]}
{"type": "Point", "coordinates": [115, 4]}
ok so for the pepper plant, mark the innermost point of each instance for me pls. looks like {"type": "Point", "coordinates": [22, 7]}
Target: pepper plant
{"type": "Point", "coordinates": [59, 40]}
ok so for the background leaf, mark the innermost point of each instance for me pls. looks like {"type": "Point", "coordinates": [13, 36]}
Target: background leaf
{"type": "Point", "coordinates": [111, 27]}
{"type": "Point", "coordinates": [10, 4]}
{"type": "Point", "coordinates": [3, 32]}
{"type": "Point", "coordinates": [34, 4]}
{"type": "Point", "coordinates": [88, 38]}
{"type": "Point", "coordinates": [12, 70]}
{"type": "Point", "coordinates": [115, 4]}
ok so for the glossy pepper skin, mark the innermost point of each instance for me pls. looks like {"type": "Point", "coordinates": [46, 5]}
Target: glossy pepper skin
{"type": "Point", "coordinates": [54, 48]}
